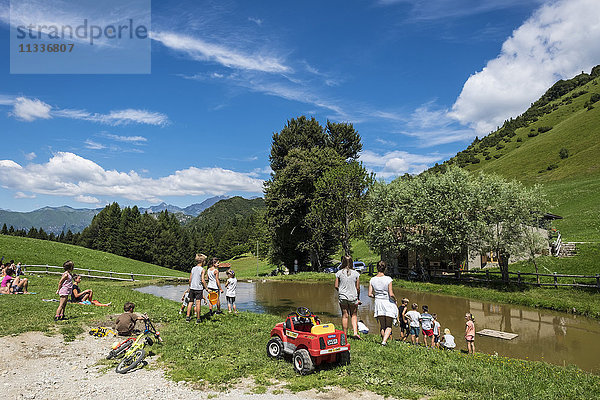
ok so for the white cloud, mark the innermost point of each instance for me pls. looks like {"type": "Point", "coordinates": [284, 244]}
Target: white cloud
{"type": "Point", "coordinates": [257, 21]}
{"type": "Point", "coordinates": [87, 199]}
{"type": "Point", "coordinates": [21, 195]}
{"type": "Point", "coordinates": [30, 156]}
{"type": "Point", "coordinates": [67, 174]}
{"type": "Point", "coordinates": [396, 163]}
{"type": "Point", "coordinates": [30, 109]}
{"type": "Point", "coordinates": [126, 139]}
{"type": "Point", "coordinates": [559, 40]}
{"type": "Point", "coordinates": [90, 144]}
{"type": "Point", "coordinates": [201, 50]}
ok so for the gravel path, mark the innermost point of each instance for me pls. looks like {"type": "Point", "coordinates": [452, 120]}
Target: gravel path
{"type": "Point", "coordinates": [36, 366]}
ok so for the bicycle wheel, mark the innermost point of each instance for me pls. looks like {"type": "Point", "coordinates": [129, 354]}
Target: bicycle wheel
{"type": "Point", "coordinates": [129, 363]}
{"type": "Point", "coordinates": [120, 351]}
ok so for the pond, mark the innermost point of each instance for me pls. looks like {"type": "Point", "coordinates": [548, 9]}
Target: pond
{"type": "Point", "coordinates": [554, 337]}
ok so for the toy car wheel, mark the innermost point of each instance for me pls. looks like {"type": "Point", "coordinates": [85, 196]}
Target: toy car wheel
{"type": "Point", "coordinates": [343, 358]}
{"type": "Point", "coordinates": [275, 347]}
{"type": "Point", "coordinates": [303, 363]}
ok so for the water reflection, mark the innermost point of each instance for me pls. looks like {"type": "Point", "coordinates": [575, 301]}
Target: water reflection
{"type": "Point", "coordinates": [554, 337]}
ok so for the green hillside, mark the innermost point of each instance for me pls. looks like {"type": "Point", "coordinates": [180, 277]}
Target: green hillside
{"type": "Point", "coordinates": [555, 143]}
{"type": "Point", "coordinates": [40, 252]}
{"type": "Point", "coordinates": [51, 219]}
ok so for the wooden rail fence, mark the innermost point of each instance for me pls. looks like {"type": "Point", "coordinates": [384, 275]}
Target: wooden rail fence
{"type": "Point", "coordinates": [487, 276]}
{"type": "Point", "coordinates": [88, 273]}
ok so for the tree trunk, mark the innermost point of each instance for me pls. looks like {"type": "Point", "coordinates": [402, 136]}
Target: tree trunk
{"type": "Point", "coordinates": [503, 263]}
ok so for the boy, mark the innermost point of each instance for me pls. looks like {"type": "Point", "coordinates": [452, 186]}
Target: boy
{"type": "Point", "coordinates": [436, 331]}
{"type": "Point", "coordinates": [413, 317]}
{"type": "Point", "coordinates": [126, 322]}
{"type": "Point", "coordinates": [427, 325]}
{"type": "Point", "coordinates": [185, 299]}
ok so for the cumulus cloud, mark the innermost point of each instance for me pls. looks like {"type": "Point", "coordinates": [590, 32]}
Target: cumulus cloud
{"type": "Point", "coordinates": [202, 50]}
{"type": "Point", "coordinates": [558, 41]}
{"type": "Point", "coordinates": [396, 163]}
{"type": "Point", "coordinates": [67, 174]}
{"type": "Point", "coordinates": [30, 156]}
{"type": "Point", "coordinates": [87, 199]}
{"type": "Point", "coordinates": [30, 109]}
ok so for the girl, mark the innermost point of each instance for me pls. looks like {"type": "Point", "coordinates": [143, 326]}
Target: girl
{"type": "Point", "coordinates": [470, 333]}
{"type": "Point", "coordinates": [380, 288]}
{"type": "Point", "coordinates": [230, 290]}
{"type": "Point", "coordinates": [347, 283]}
{"type": "Point", "coordinates": [65, 288]}
{"type": "Point", "coordinates": [214, 285]}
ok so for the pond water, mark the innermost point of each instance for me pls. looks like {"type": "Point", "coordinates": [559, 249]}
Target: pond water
{"type": "Point", "coordinates": [554, 337]}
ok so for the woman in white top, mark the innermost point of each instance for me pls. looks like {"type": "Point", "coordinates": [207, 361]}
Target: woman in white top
{"type": "Point", "coordinates": [347, 283]}
{"type": "Point", "coordinates": [214, 285]}
{"type": "Point", "coordinates": [380, 288]}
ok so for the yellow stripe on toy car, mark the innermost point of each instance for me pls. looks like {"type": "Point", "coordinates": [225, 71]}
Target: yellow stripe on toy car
{"type": "Point", "coordinates": [291, 334]}
{"type": "Point", "coordinates": [333, 350]}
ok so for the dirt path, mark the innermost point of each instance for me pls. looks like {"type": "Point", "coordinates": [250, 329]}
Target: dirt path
{"type": "Point", "coordinates": [36, 366]}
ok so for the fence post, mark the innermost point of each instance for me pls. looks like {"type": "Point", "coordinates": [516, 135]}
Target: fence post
{"type": "Point", "coordinates": [46, 269]}
{"type": "Point", "coordinates": [132, 277]}
{"type": "Point", "coordinates": [555, 281]}
{"type": "Point", "coordinates": [89, 273]}
{"type": "Point", "coordinates": [487, 276]}
{"type": "Point", "coordinates": [458, 277]}
{"type": "Point", "coordinates": [519, 277]}
{"type": "Point", "coordinates": [598, 281]}
{"type": "Point", "coordinates": [110, 273]}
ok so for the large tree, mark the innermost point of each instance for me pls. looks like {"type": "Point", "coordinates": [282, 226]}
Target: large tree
{"type": "Point", "coordinates": [301, 153]}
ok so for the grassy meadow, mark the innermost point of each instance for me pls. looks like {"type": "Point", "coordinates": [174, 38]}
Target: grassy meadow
{"type": "Point", "coordinates": [42, 252]}
{"type": "Point", "coordinates": [221, 351]}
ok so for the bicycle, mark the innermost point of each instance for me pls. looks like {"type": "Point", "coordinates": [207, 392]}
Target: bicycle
{"type": "Point", "coordinates": [133, 351]}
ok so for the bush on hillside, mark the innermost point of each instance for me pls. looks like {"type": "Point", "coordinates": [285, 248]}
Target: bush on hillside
{"type": "Point", "coordinates": [552, 166]}
{"type": "Point", "coordinates": [563, 153]}
{"type": "Point", "coordinates": [543, 129]}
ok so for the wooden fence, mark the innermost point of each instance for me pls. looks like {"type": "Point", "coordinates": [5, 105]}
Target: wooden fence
{"type": "Point", "coordinates": [89, 273]}
{"type": "Point", "coordinates": [493, 276]}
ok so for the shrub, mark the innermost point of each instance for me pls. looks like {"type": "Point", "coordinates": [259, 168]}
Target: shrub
{"type": "Point", "coordinates": [519, 140]}
{"type": "Point", "coordinates": [532, 134]}
{"type": "Point", "coordinates": [499, 146]}
{"type": "Point", "coordinates": [488, 157]}
{"type": "Point", "coordinates": [543, 129]}
{"type": "Point", "coordinates": [552, 166]}
{"type": "Point", "coordinates": [563, 153]}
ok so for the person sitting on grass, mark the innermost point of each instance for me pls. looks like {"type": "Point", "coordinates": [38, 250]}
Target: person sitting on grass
{"type": "Point", "coordinates": [77, 295]}
{"type": "Point", "coordinates": [7, 280]}
{"type": "Point", "coordinates": [125, 323]}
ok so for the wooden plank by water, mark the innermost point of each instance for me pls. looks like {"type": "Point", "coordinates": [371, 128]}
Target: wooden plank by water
{"type": "Point", "coordinates": [497, 334]}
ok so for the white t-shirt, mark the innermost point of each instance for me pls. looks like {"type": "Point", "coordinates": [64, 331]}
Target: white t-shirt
{"type": "Point", "coordinates": [413, 318]}
{"type": "Point", "coordinates": [449, 341]}
{"type": "Point", "coordinates": [362, 328]}
{"type": "Point", "coordinates": [347, 284]}
{"type": "Point", "coordinates": [230, 287]}
{"type": "Point", "coordinates": [436, 328]}
{"type": "Point", "coordinates": [196, 281]}
{"type": "Point", "coordinates": [426, 321]}
{"type": "Point", "coordinates": [380, 286]}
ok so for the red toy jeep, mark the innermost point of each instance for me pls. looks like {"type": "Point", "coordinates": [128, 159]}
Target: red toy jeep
{"type": "Point", "coordinates": [308, 341]}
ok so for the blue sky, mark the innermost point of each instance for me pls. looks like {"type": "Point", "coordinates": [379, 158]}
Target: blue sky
{"type": "Point", "coordinates": [418, 79]}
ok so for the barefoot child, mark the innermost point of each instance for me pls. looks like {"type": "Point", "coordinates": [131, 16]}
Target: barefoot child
{"type": "Point", "coordinates": [230, 290]}
{"type": "Point", "coordinates": [427, 326]}
{"type": "Point", "coordinates": [65, 289]}
{"type": "Point", "coordinates": [436, 331]}
{"type": "Point", "coordinates": [448, 340]}
{"type": "Point", "coordinates": [185, 299]}
{"type": "Point", "coordinates": [413, 318]}
{"type": "Point", "coordinates": [470, 333]}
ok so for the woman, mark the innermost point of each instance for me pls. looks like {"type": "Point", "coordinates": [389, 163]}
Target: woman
{"type": "Point", "coordinates": [214, 285]}
{"type": "Point", "coordinates": [380, 288]}
{"type": "Point", "coordinates": [347, 283]}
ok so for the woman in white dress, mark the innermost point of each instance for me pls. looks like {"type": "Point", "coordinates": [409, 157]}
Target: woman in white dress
{"type": "Point", "coordinates": [380, 288]}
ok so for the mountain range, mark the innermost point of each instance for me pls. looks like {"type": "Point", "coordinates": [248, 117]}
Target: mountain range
{"type": "Point", "coordinates": [58, 219]}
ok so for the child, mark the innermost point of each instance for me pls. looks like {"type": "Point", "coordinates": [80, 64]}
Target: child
{"type": "Point", "coordinates": [362, 328]}
{"type": "Point", "coordinates": [470, 333]}
{"type": "Point", "coordinates": [185, 299]}
{"type": "Point", "coordinates": [197, 286]}
{"type": "Point", "coordinates": [230, 290]}
{"type": "Point", "coordinates": [436, 331]}
{"type": "Point", "coordinates": [413, 318]}
{"type": "Point", "coordinates": [125, 323]}
{"type": "Point", "coordinates": [448, 340]}
{"type": "Point", "coordinates": [403, 320]}
{"type": "Point", "coordinates": [214, 285]}
{"type": "Point", "coordinates": [77, 294]}
{"type": "Point", "coordinates": [65, 288]}
{"type": "Point", "coordinates": [7, 280]}
{"type": "Point", "coordinates": [427, 325]}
